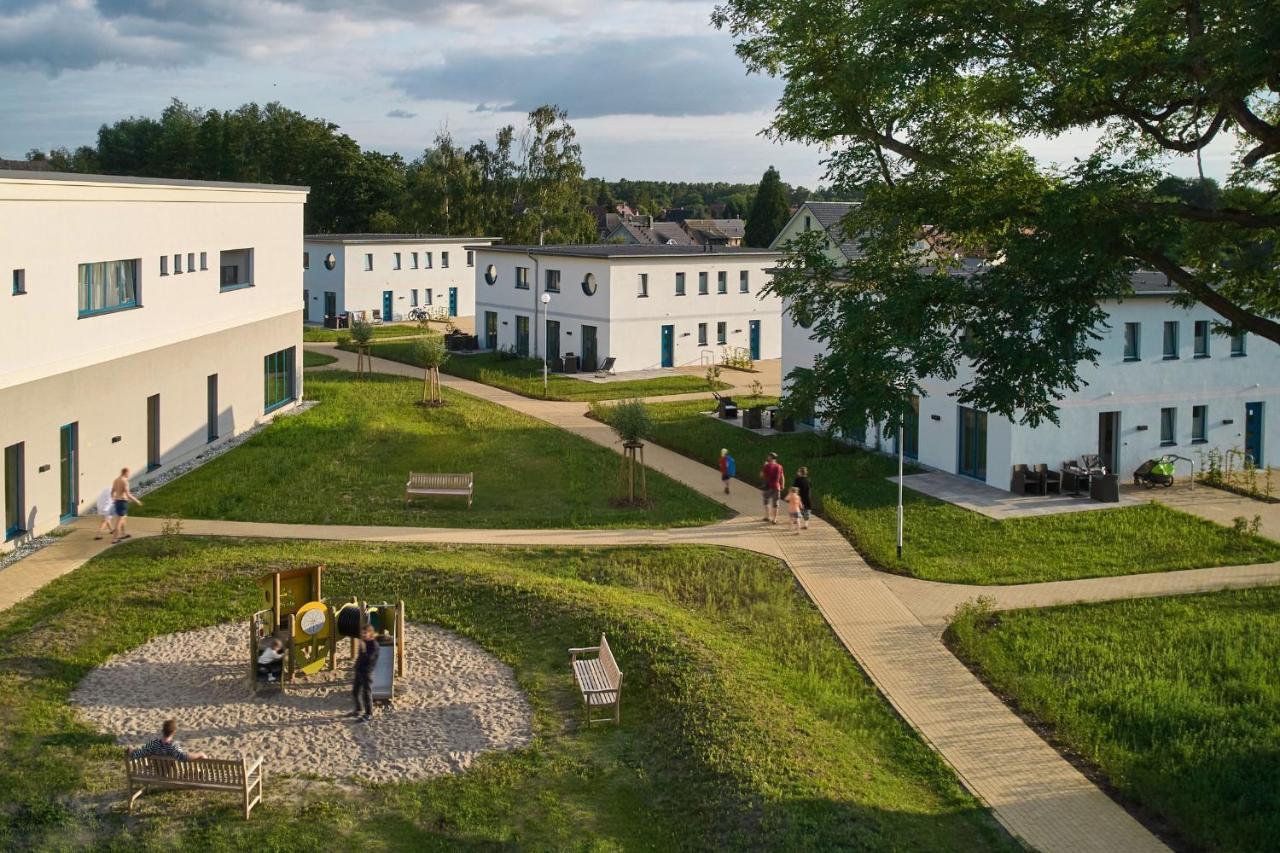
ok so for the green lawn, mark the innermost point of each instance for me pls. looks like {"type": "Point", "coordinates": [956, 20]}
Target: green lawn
{"type": "Point", "coordinates": [1176, 700]}
{"type": "Point", "coordinates": [346, 461]}
{"type": "Point", "coordinates": [316, 334]}
{"type": "Point", "coordinates": [946, 543]}
{"type": "Point", "coordinates": [316, 359]}
{"type": "Point", "coordinates": [524, 376]}
{"type": "Point", "coordinates": [746, 725]}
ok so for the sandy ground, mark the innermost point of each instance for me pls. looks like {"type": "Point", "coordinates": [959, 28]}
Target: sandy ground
{"type": "Point", "coordinates": [455, 702]}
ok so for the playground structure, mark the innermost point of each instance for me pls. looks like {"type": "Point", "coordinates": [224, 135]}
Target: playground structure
{"type": "Point", "coordinates": [308, 629]}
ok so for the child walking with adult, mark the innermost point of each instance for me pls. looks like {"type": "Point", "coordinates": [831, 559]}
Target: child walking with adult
{"type": "Point", "coordinates": [728, 468]}
{"type": "Point", "coordinates": [795, 507]}
{"type": "Point", "coordinates": [801, 483]}
{"type": "Point", "coordinates": [106, 509]}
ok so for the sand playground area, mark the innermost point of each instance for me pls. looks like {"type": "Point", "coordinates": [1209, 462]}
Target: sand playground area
{"type": "Point", "coordinates": [455, 702]}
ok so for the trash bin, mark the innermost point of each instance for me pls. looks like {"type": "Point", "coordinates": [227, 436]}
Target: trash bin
{"type": "Point", "coordinates": [1105, 488]}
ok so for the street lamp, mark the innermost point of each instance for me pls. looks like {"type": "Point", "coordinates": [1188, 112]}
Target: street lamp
{"type": "Point", "coordinates": [900, 452]}
{"type": "Point", "coordinates": [546, 317]}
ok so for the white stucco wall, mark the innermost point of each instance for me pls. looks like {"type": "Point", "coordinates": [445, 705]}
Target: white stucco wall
{"type": "Point", "coordinates": [629, 326]}
{"type": "Point", "coordinates": [358, 289]}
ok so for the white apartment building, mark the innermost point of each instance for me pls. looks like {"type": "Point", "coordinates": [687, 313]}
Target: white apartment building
{"type": "Point", "coordinates": [645, 306]}
{"type": "Point", "coordinates": [141, 320]}
{"type": "Point", "coordinates": [1164, 383]}
{"type": "Point", "coordinates": [388, 273]}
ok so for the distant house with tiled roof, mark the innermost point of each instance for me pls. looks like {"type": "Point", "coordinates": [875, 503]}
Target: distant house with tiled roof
{"type": "Point", "coordinates": [826, 216]}
{"type": "Point", "coordinates": [649, 233]}
{"type": "Point", "coordinates": [716, 232]}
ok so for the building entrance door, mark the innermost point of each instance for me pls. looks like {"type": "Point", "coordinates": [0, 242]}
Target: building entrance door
{"type": "Point", "coordinates": [1109, 440]}
{"type": "Point", "coordinates": [491, 330]}
{"type": "Point", "coordinates": [153, 432]}
{"type": "Point", "coordinates": [330, 303]}
{"type": "Point", "coordinates": [453, 302]}
{"type": "Point", "coordinates": [522, 336]}
{"type": "Point", "coordinates": [69, 470]}
{"type": "Point", "coordinates": [973, 443]}
{"type": "Point", "coordinates": [755, 340]}
{"type": "Point", "coordinates": [387, 306]}
{"type": "Point", "coordinates": [588, 348]}
{"type": "Point", "coordinates": [553, 340]}
{"type": "Point", "coordinates": [668, 346]}
{"type": "Point", "coordinates": [1253, 432]}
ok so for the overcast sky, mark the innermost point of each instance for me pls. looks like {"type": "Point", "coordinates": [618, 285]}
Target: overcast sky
{"type": "Point", "coordinates": [652, 88]}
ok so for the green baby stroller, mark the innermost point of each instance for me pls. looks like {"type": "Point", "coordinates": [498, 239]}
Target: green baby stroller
{"type": "Point", "coordinates": [1155, 472]}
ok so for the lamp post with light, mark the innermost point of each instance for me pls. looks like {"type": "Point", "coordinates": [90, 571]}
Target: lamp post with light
{"type": "Point", "coordinates": [546, 324]}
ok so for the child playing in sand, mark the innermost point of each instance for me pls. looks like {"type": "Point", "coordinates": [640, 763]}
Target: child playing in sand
{"type": "Point", "coordinates": [271, 661]}
{"type": "Point", "coordinates": [795, 505]}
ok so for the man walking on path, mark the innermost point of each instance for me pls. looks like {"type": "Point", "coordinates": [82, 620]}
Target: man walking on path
{"type": "Point", "coordinates": [120, 497]}
{"type": "Point", "coordinates": [366, 662]}
{"type": "Point", "coordinates": [772, 480]}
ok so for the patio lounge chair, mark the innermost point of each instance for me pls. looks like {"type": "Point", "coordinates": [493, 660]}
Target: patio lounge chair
{"type": "Point", "coordinates": [606, 369]}
{"type": "Point", "coordinates": [1024, 481]}
{"type": "Point", "coordinates": [1050, 481]}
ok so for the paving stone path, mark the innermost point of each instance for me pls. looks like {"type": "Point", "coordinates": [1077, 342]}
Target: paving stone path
{"type": "Point", "coordinates": [891, 625]}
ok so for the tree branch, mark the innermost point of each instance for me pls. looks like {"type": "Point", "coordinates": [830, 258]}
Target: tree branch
{"type": "Point", "coordinates": [1184, 145]}
{"type": "Point", "coordinates": [1237, 316]}
{"type": "Point", "coordinates": [1231, 215]}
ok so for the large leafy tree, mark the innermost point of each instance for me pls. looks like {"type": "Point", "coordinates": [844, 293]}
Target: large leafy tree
{"type": "Point", "coordinates": [769, 211]}
{"type": "Point", "coordinates": [922, 107]}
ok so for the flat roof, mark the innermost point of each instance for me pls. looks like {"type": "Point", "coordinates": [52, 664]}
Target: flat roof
{"type": "Point", "coordinates": [391, 238]}
{"type": "Point", "coordinates": [81, 178]}
{"type": "Point", "coordinates": [630, 250]}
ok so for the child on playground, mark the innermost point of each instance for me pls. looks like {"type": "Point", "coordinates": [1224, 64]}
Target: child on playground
{"type": "Point", "coordinates": [271, 661]}
{"type": "Point", "coordinates": [795, 505]}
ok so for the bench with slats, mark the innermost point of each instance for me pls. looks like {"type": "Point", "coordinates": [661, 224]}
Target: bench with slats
{"type": "Point", "coordinates": [424, 485]}
{"type": "Point", "coordinates": [198, 774]}
{"type": "Point", "coordinates": [599, 680]}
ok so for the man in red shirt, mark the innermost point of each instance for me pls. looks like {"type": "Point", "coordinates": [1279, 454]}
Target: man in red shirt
{"type": "Point", "coordinates": [772, 480]}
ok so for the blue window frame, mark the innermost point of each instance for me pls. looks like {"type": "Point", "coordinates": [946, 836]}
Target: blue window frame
{"type": "Point", "coordinates": [277, 379]}
{"type": "Point", "coordinates": [108, 286]}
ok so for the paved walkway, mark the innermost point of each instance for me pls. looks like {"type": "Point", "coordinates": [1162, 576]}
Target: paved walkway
{"type": "Point", "coordinates": [997, 503]}
{"type": "Point", "coordinates": [890, 624]}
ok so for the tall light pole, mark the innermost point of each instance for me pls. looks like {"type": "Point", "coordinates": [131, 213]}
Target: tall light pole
{"type": "Point", "coordinates": [900, 452]}
{"type": "Point", "coordinates": [546, 316]}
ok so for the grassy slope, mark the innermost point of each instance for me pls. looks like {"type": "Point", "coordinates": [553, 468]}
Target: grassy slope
{"type": "Point", "coordinates": [946, 543]}
{"type": "Point", "coordinates": [524, 376]}
{"type": "Point", "coordinates": [316, 359]}
{"type": "Point", "coordinates": [745, 724]}
{"type": "Point", "coordinates": [317, 334]}
{"type": "Point", "coordinates": [346, 461]}
{"type": "Point", "coordinates": [1177, 700]}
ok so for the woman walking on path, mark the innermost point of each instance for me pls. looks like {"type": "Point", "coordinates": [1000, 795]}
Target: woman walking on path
{"type": "Point", "coordinates": [728, 468]}
{"type": "Point", "coordinates": [801, 484]}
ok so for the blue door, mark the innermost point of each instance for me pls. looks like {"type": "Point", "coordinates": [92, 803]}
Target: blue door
{"type": "Point", "coordinates": [1253, 431]}
{"type": "Point", "coordinates": [386, 305]}
{"type": "Point", "coordinates": [755, 340]}
{"type": "Point", "coordinates": [668, 346]}
{"type": "Point", "coordinates": [69, 470]}
{"type": "Point", "coordinates": [453, 302]}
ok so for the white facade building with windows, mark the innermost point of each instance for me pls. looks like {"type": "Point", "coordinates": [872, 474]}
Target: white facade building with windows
{"type": "Point", "coordinates": [645, 306]}
{"type": "Point", "coordinates": [141, 320]}
{"type": "Point", "coordinates": [388, 273]}
{"type": "Point", "coordinates": [1164, 384]}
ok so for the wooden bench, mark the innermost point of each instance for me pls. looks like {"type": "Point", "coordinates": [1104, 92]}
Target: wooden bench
{"type": "Point", "coordinates": [198, 774]}
{"type": "Point", "coordinates": [421, 485]}
{"type": "Point", "coordinates": [599, 680]}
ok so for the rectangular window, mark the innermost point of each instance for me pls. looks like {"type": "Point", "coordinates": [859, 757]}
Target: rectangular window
{"type": "Point", "coordinates": [204, 261]}
{"type": "Point", "coordinates": [702, 334]}
{"type": "Point", "coordinates": [368, 261]}
{"type": "Point", "coordinates": [426, 296]}
{"type": "Point", "coordinates": [236, 268]}
{"type": "Point", "coordinates": [744, 282]}
{"type": "Point", "coordinates": [702, 284]}
{"type": "Point", "coordinates": [153, 432]}
{"type": "Point", "coordinates": [1237, 343]}
{"type": "Point", "coordinates": [1132, 341]}
{"type": "Point", "coordinates": [722, 333]}
{"type": "Point", "coordinates": [177, 264]}
{"type": "Point", "coordinates": [277, 379]}
{"type": "Point", "coordinates": [553, 281]}
{"type": "Point", "coordinates": [643, 285]}
{"type": "Point", "coordinates": [413, 260]}
{"type": "Point", "coordinates": [1168, 427]}
{"type": "Point", "coordinates": [722, 282]}
{"type": "Point", "coordinates": [306, 260]}
{"type": "Point", "coordinates": [1202, 339]}
{"type": "Point", "coordinates": [522, 278]}
{"type": "Point", "coordinates": [395, 260]}
{"type": "Point", "coordinates": [426, 260]}
{"type": "Point", "coordinates": [211, 407]}
{"type": "Point", "coordinates": [15, 511]}
{"type": "Point", "coordinates": [1199, 424]}
{"type": "Point", "coordinates": [1171, 339]}
{"type": "Point", "coordinates": [808, 223]}
{"type": "Point", "coordinates": [679, 284]}
{"type": "Point", "coordinates": [19, 282]}
{"type": "Point", "coordinates": [444, 260]}
{"type": "Point", "coordinates": [471, 258]}
{"type": "Point", "coordinates": [108, 286]}
{"type": "Point", "coordinates": [164, 265]}
{"type": "Point", "coordinates": [191, 261]}
{"type": "Point", "coordinates": [413, 297]}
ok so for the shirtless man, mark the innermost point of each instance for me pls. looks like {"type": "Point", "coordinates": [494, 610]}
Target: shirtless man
{"type": "Point", "coordinates": [120, 497]}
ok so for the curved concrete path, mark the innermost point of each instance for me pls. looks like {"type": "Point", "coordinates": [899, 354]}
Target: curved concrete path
{"type": "Point", "coordinates": [891, 625]}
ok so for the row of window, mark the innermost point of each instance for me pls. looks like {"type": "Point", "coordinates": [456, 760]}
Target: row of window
{"type": "Point", "coordinates": [551, 281]}
{"type": "Point", "coordinates": [1201, 336]}
{"type": "Point", "coordinates": [1169, 425]}
{"type": "Point", "coordinates": [177, 263]}
{"type": "Point", "coordinates": [397, 260]}
{"type": "Point", "coordinates": [106, 286]}
{"type": "Point", "coordinates": [722, 333]}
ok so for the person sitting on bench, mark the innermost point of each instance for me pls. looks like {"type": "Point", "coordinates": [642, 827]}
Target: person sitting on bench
{"type": "Point", "coordinates": [164, 746]}
{"type": "Point", "coordinates": [271, 661]}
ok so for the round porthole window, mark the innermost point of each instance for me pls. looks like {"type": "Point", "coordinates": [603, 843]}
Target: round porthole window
{"type": "Point", "coordinates": [330, 261]}
{"type": "Point", "coordinates": [589, 284]}
{"type": "Point", "coordinates": [490, 274]}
